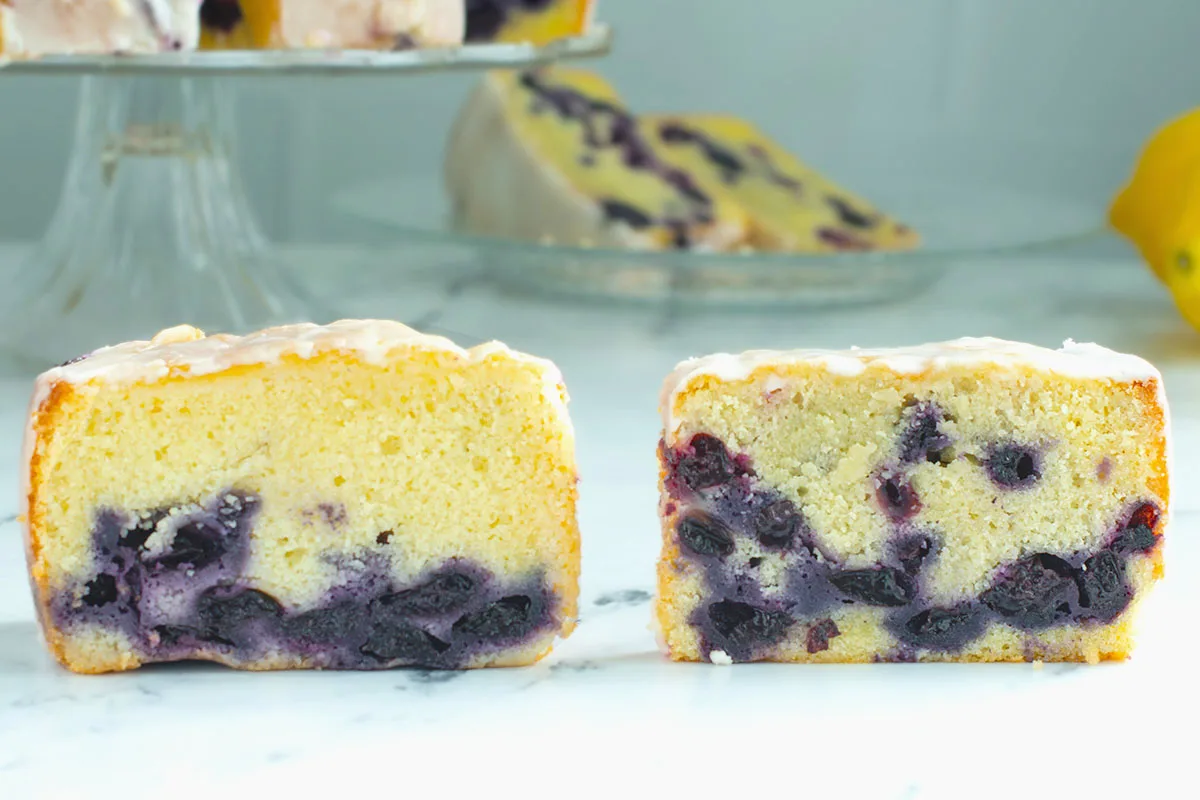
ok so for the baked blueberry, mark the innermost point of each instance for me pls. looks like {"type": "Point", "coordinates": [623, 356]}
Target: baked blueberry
{"type": "Point", "coordinates": [942, 628]}
{"type": "Point", "coordinates": [443, 593]}
{"type": "Point", "coordinates": [197, 543]}
{"type": "Point", "coordinates": [1146, 514]}
{"type": "Point", "coordinates": [777, 523]}
{"type": "Point", "coordinates": [849, 215]}
{"type": "Point", "coordinates": [406, 643]}
{"type": "Point", "coordinates": [485, 18]}
{"type": "Point", "coordinates": [1138, 534]}
{"type": "Point", "coordinates": [1104, 591]}
{"type": "Point", "coordinates": [912, 550]}
{"type": "Point", "coordinates": [740, 628]}
{"type": "Point", "coordinates": [1014, 466]}
{"type": "Point", "coordinates": [704, 463]}
{"type": "Point", "coordinates": [136, 536]}
{"type": "Point", "coordinates": [922, 438]}
{"type": "Point", "coordinates": [878, 586]}
{"type": "Point", "coordinates": [1034, 593]}
{"type": "Point", "coordinates": [343, 623]}
{"type": "Point", "coordinates": [170, 636]}
{"type": "Point", "coordinates": [223, 614]}
{"type": "Point", "coordinates": [508, 618]}
{"type": "Point", "coordinates": [101, 590]}
{"type": "Point", "coordinates": [221, 15]}
{"type": "Point", "coordinates": [896, 497]}
{"type": "Point", "coordinates": [705, 535]}
{"type": "Point", "coordinates": [724, 160]}
{"type": "Point", "coordinates": [617, 211]}
{"type": "Point", "coordinates": [841, 240]}
{"type": "Point", "coordinates": [819, 634]}
{"type": "Point", "coordinates": [1138, 539]}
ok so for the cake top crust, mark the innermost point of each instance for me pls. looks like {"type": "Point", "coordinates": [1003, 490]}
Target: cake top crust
{"type": "Point", "coordinates": [1072, 360]}
{"type": "Point", "coordinates": [185, 350]}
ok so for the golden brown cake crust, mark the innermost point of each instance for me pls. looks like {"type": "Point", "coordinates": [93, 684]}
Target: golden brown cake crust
{"type": "Point", "coordinates": [41, 426]}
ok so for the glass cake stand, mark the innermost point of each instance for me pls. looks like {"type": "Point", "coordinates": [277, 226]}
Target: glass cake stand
{"type": "Point", "coordinates": [153, 227]}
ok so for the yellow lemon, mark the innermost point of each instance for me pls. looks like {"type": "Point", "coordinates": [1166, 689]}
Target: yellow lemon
{"type": "Point", "coordinates": [1153, 209]}
{"type": "Point", "coordinates": [1180, 264]}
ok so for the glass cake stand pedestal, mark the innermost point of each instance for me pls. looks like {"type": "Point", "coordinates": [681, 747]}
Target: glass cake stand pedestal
{"type": "Point", "coordinates": [153, 227]}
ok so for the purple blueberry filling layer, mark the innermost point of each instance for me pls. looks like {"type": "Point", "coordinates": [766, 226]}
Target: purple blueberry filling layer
{"type": "Point", "coordinates": [607, 126]}
{"type": "Point", "coordinates": [723, 502]}
{"type": "Point", "coordinates": [175, 586]}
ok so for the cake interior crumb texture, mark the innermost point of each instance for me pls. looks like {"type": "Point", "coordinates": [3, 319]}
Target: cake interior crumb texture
{"type": "Point", "coordinates": [909, 508]}
{"type": "Point", "coordinates": [412, 505]}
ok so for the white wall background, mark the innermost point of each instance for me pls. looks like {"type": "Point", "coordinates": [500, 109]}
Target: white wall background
{"type": "Point", "coordinates": [1064, 90]}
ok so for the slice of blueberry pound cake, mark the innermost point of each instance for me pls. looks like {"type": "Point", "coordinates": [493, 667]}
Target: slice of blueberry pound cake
{"type": "Point", "coordinates": [350, 496]}
{"type": "Point", "coordinates": [562, 141]}
{"type": "Point", "coordinates": [790, 206]}
{"type": "Point", "coordinates": [978, 500]}
{"type": "Point", "coordinates": [300, 24]}
{"type": "Point", "coordinates": [535, 21]}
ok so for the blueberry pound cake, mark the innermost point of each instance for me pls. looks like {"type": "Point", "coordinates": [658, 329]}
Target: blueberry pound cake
{"type": "Point", "coordinates": [563, 142]}
{"type": "Point", "coordinates": [978, 500]}
{"type": "Point", "coordinates": [590, 172]}
{"type": "Point", "coordinates": [350, 496]}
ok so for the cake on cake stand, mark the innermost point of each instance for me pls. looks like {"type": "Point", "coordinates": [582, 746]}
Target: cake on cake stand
{"type": "Point", "coordinates": [153, 227]}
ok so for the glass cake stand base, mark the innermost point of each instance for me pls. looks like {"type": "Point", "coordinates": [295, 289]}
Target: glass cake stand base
{"type": "Point", "coordinates": [153, 228]}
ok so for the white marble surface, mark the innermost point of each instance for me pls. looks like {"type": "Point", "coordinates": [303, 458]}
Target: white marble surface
{"type": "Point", "coordinates": [605, 709]}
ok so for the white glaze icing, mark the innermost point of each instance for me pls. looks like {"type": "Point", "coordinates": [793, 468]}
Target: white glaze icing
{"type": "Point", "coordinates": [185, 350]}
{"type": "Point", "coordinates": [1071, 360]}
{"type": "Point", "coordinates": [40, 27]}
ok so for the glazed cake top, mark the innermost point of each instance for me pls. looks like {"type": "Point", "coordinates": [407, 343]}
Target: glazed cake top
{"type": "Point", "coordinates": [186, 350]}
{"type": "Point", "coordinates": [1072, 360]}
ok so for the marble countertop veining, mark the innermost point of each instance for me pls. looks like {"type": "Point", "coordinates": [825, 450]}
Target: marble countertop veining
{"type": "Point", "coordinates": [605, 708]}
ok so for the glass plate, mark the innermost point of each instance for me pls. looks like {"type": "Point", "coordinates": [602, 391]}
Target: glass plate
{"type": "Point", "coordinates": [596, 42]}
{"type": "Point", "coordinates": [958, 222]}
